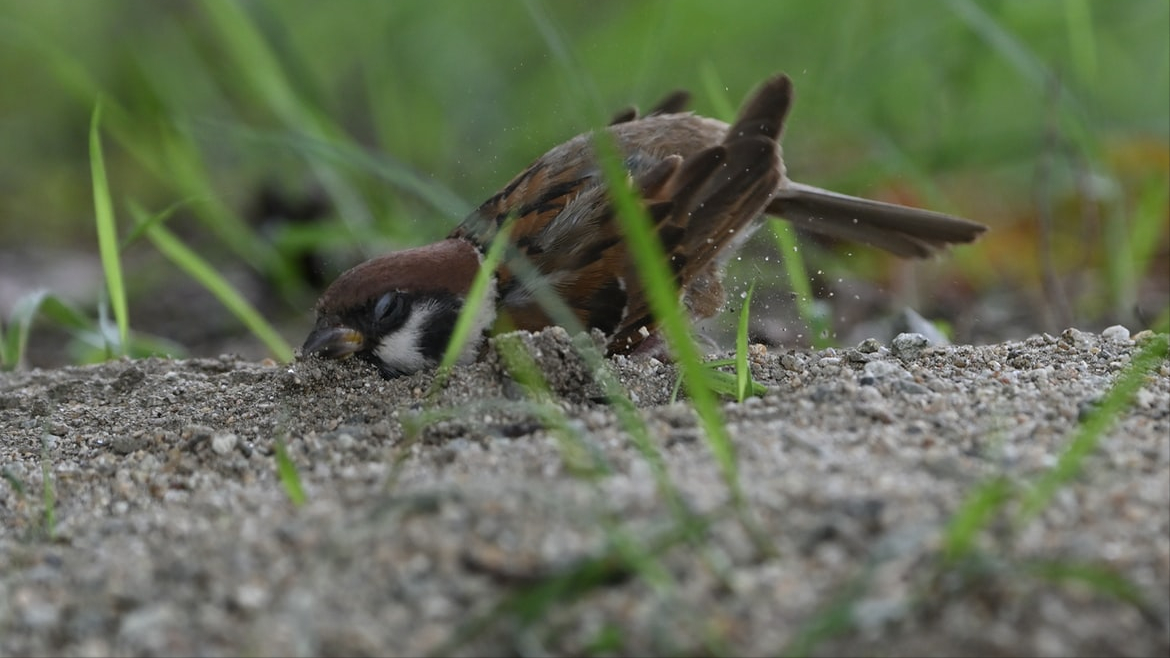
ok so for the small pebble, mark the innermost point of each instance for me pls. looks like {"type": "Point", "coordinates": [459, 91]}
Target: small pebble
{"type": "Point", "coordinates": [1074, 337]}
{"type": "Point", "coordinates": [912, 322]}
{"type": "Point", "coordinates": [1117, 334]}
{"type": "Point", "coordinates": [881, 369]}
{"type": "Point", "coordinates": [223, 443]}
{"type": "Point", "coordinates": [908, 346]}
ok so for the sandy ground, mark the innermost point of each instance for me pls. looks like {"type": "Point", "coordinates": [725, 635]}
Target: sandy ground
{"type": "Point", "coordinates": [439, 526]}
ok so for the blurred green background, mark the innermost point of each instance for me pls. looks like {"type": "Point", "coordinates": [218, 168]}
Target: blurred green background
{"type": "Point", "coordinates": [292, 139]}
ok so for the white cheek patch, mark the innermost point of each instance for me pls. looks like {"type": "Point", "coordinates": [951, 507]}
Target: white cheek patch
{"type": "Point", "coordinates": [399, 350]}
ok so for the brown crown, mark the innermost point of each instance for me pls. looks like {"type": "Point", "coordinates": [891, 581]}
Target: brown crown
{"type": "Point", "coordinates": [446, 266]}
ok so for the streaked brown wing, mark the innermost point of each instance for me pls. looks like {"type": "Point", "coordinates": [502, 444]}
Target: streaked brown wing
{"type": "Point", "coordinates": [579, 253]}
{"type": "Point", "coordinates": [565, 230]}
{"type": "Point", "coordinates": [534, 197]}
{"type": "Point", "coordinates": [713, 198]}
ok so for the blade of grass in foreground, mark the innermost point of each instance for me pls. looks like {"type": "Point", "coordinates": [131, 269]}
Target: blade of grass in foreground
{"type": "Point", "coordinates": [583, 94]}
{"type": "Point", "coordinates": [724, 384]}
{"type": "Point", "coordinates": [817, 324]}
{"type": "Point", "coordinates": [616, 396]}
{"type": "Point", "coordinates": [543, 593]}
{"type": "Point", "coordinates": [662, 295]}
{"type": "Point", "coordinates": [834, 618]}
{"type": "Point", "coordinates": [523, 368]}
{"type": "Point", "coordinates": [198, 269]}
{"type": "Point", "coordinates": [1097, 578]}
{"type": "Point", "coordinates": [785, 235]}
{"type": "Point", "coordinates": [14, 343]}
{"type": "Point", "coordinates": [650, 261]}
{"type": "Point", "coordinates": [290, 479]}
{"type": "Point", "coordinates": [975, 513]}
{"type": "Point", "coordinates": [1089, 434]}
{"type": "Point", "coordinates": [107, 231]}
{"type": "Point", "coordinates": [472, 305]}
{"type": "Point", "coordinates": [743, 374]}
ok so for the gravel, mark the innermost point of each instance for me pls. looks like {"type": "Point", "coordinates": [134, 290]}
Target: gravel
{"type": "Point", "coordinates": [426, 519]}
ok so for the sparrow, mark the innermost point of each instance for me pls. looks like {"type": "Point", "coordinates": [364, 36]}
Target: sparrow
{"type": "Point", "coordinates": [704, 184]}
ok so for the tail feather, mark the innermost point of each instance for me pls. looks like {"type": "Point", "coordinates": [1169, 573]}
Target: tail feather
{"type": "Point", "coordinates": [764, 113]}
{"type": "Point", "coordinates": [732, 197]}
{"type": "Point", "coordinates": [674, 102]}
{"type": "Point", "coordinates": [908, 232]}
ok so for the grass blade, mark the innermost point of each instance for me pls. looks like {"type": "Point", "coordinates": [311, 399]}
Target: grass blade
{"type": "Point", "coordinates": [662, 295]}
{"type": "Point", "coordinates": [198, 269]}
{"type": "Point", "coordinates": [834, 618]}
{"type": "Point", "coordinates": [743, 374]}
{"type": "Point", "coordinates": [724, 384]}
{"type": "Point", "coordinates": [290, 479]}
{"type": "Point", "coordinates": [1097, 578]}
{"type": "Point", "coordinates": [107, 231]}
{"type": "Point", "coordinates": [263, 74]}
{"type": "Point", "coordinates": [472, 305]}
{"type": "Point", "coordinates": [141, 227]}
{"type": "Point", "coordinates": [615, 394]}
{"type": "Point", "coordinates": [14, 482]}
{"type": "Point", "coordinates": [1082, 41]}
{"type": "Point", "coordinates": [14, 343]}
{"type": "Point", "coordinates": [977, 510]}
{"type": "Point", "coordinates": [1089, 434]}
{"type": "Point", "coordinates": [716, 91]}
{"type": "Point", "coordinates": [818, 324]}
{"type": "Point", "coordinates": [523, 368]}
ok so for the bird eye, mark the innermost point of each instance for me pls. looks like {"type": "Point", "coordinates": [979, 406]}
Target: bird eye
{"type": "Point", "coordinates": [389, 305]}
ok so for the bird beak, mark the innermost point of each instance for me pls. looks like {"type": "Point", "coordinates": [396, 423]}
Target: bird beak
{"type": "Point", "coordinates": [336, 342]}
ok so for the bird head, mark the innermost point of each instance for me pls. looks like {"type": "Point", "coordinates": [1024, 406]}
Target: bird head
{"type": "Point", "coordinates": [397, 311]}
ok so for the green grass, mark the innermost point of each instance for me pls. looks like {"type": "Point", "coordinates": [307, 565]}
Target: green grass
{"type": "Point", "coordinates": [290, 478]}
{"type": "Point", "coordinates": [472, 306]}
{"type": "Point", "coordinates": [834, 618]}
{"type": "Point", "coordinates": [663, 298]}
{"type": "Point", "coordinates": [743, 372]}
{"type": "Point", "coordinates": [210, 102]}
{"type": "Point", "coordinates": [725, 384]}
{"type": "Point", "coordinates": [90, 338]}
{"type": "Point", "coordinates": [579, 459]}
{"type": "Point", "coordinates": [203, 272]}
{"type": "Point", "coordinates": [13, 481]}
{"type": "Point", "coordinates": [982, 506]}
{"type": "Point", "coordinates": [14, 338]}
{"type": "Point", "coordinates": [107, 232]}
{"type": "Point", "coordinates": [1100, 419]}
{"type": "Point", "coordinates": [402, 113]}
{"type": "Point", "coordinates": [535, 597]}
{"type": "Point", "coordinates": [819, 326]}
{"type": "Point", "coordinates": [964, 560]}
